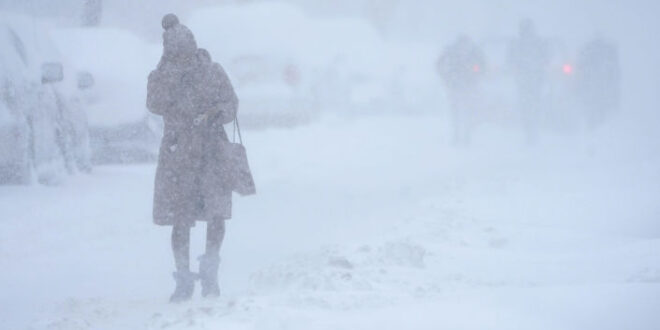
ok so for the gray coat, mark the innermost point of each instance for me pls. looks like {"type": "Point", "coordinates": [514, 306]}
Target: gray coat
{"type": "Point", "coordinates": [195, 98]}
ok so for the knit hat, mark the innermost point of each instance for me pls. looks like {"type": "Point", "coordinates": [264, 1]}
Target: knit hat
{"type": "Point", "coordinates": [178, 40]}
{"type": "Point", "coordinates": [169, 21]}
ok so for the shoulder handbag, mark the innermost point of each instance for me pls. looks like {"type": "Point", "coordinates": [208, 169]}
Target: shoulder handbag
{"type": "Point", "coordinates": [240, 174]}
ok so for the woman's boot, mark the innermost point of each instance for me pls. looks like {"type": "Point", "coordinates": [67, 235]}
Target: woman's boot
{"type": "Point", "coordinates": [208, 275]}
{"type": "Point", "coordinates": [185, 280]}
{"type": "Point", "coordinates": [185, 286]}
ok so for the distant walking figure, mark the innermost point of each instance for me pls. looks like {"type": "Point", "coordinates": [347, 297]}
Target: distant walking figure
{"type": "Point", "coordinates": [529, 58]}
{"type": "Point", "coordinates": [195, 98]}
{"type": "Point", "coordinates": [460, 66]}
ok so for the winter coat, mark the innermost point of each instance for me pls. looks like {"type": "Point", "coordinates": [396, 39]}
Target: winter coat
{"type": "Point", "coordinates": [460, 66]}
{"type": "Point", "coordinates": [599, 75]}
{"type": "Point", "coordinates": [528, 57]}
{"type": "Point", "coordinates": [195, 98]}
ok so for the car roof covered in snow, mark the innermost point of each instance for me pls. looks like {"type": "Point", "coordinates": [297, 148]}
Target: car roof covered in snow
{"type": "Point", "coordinates": [25, 45]}
{"type": "Point", "coordinates": [25, 48]}
{"type": "Point", "coordinates": [120, 63]}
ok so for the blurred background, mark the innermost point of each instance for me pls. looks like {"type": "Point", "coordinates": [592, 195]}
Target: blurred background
{"type": "Point", "coordinates": [294, 61]}
{"type": "Point", "coordinates": [446, 151]}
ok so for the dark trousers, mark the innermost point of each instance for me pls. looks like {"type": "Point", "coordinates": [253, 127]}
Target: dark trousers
{"type": "Point", "coordinates": [215, 233]}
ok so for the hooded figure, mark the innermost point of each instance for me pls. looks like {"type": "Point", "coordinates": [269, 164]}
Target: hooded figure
{"type": "Point", "coordinates": [195, 98]}
{"type": "Point", "coordinates": [598, 80]}
{"type": "Point", "coordinates": [528, 59]}
{"type": "Point", "coordinates": [460, 66]}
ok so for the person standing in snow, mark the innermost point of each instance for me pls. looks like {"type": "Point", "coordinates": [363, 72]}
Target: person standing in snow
{"type": "Point", "coordinates": [598, 80]}
{"type": "Point", "coordinates": [528, 59]}
{"type": "Point", "coordinates": [195, 98]}
{"type": "Point", "coordinates": [460, 66]}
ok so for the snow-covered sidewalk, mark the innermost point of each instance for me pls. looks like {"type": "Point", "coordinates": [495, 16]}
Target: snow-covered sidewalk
{"type": "Point", "coordinates": [374, 223]}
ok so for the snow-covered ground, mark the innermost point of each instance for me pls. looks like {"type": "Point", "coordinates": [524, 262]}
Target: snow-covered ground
{"type": "Point", "coordinates": [368, 223]}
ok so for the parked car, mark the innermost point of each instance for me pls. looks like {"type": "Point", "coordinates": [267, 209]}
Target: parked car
{"type": "Point", "coordinates": [288, 67]}
{"type": "Point", "coordinates": [270, 91]}
{"type": "Point", "coordinates": [265, 60]}
{"type": "Point", "coordinates": [114, 91]}
{"type": "Point", "coordinates": [43, 127]}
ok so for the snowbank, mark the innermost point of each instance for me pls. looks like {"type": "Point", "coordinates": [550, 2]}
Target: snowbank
{"type": "Point", "coordinates": [372, 223]}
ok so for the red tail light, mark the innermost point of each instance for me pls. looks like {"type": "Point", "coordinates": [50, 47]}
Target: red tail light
{"type": "Point", "coordinates": [476, 68]}
{"type": "Point", "coordinates": [567, 69]}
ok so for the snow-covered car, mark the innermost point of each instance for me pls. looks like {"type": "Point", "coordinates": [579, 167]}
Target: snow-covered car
{"type": "Point", "coordinates": [261, 47]}
{"type": "Point", "coordinates": [270, 91]}
{"type": "Point", "coordinates": [43, 127]}
{"type": "Point", "coordinates": [298, 65]}
{"type": "Point", "coordinates": [352, 78]}
{"type": "Point", "coordinates": [357, 71]}
{"type": "Point", "coordinates": [118, 63]}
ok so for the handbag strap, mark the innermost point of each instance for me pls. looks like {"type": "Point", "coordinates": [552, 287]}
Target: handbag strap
{"type": "Point", "coordinates": [237, 128]}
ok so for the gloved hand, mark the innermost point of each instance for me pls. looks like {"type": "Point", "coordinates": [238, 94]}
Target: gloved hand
{"type": "Point", "coordinates": [200, 119]}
